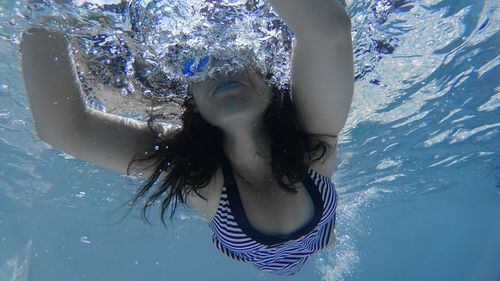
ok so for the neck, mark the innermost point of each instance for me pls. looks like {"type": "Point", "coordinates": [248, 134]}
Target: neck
{"type": "Point", "coordinates": [248, 148]}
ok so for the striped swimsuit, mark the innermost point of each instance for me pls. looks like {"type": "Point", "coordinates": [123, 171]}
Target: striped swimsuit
{"type": "Point", "coordinates": [235, 236]}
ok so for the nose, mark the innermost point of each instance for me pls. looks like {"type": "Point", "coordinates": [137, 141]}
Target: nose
{"type": "Point", "coordinates": [218, 75]}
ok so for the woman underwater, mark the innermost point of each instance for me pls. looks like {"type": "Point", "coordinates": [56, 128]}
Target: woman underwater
{"type": "Point", "coordinates": [253, 160]}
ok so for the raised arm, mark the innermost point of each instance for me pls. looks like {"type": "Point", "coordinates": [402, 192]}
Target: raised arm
{"type": "Point", "coordinates": [59, 113]}
{"type": "Point", "coordinates": [322, 63]}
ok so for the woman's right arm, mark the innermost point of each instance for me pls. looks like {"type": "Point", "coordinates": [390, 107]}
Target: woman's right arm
{"type": "Point", "coordinates": [59, 113]}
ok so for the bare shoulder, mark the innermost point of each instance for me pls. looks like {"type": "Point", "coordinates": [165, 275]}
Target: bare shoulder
{"type": "Point", "coordinates": [326, 165]}
{"type": "Point", "coordinates": [208, 208]}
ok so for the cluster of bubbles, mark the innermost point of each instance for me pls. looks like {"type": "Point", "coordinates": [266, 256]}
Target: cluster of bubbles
{"type": "Point", "coordinates": [156, 48]}
{"type": "Point", "coordinates": [233, 34]}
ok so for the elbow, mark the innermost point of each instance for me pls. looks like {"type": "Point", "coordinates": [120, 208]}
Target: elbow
{"type": "Point", "coordinates": [42, 135]}
{"type": "Point", "coordinates": [43, 131]}
{"type": "Point", "coordinates": [57, 134]}
{"type": "Point", "coordinates": [47, 137]}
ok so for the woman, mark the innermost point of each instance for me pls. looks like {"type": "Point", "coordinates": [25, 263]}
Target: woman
{"type": "Point", "coordinates": [253, 160]}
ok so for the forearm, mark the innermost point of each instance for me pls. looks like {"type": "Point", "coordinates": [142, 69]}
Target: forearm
{"type": "Point", "coordinates": [61, 117]}
{"type": "Point", "coordinates": [51, 84]}
{"type": "Point", "coordinates": [305, 17]}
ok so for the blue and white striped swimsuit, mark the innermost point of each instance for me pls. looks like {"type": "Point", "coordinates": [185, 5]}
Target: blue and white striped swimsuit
{"type": "Point", "coordinates": [235, 236]}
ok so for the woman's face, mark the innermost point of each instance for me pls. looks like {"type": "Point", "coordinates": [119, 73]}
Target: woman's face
{"type": "Point", "coordinates": [242, 98]}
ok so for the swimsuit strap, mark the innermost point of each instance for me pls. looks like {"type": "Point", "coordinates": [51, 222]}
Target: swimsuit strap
{"type": "Point", "coordinates": [243, 222]}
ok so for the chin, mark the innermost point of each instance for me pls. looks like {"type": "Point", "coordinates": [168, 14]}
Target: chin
{"type": "Point", "coordinates": [238, 116]}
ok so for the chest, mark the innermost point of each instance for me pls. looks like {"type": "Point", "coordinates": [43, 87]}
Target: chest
{"type": "Point", "coordinates": [273, 211]}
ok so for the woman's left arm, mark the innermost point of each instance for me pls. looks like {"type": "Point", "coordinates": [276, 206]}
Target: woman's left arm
{"type": "Point", "coordinates": [322, 63]}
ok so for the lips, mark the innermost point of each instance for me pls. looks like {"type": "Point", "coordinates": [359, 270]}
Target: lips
{"type": "Point", "coordinates": [226, 86]}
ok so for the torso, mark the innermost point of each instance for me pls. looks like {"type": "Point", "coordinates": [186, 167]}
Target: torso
{"type": "Point", "coordinates": [276, 212]}
{"type": "Point", "coordinates": [271, 211]}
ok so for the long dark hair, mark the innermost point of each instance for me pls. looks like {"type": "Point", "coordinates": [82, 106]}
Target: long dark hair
{"type": "Point", "coordinates": [190, 156]}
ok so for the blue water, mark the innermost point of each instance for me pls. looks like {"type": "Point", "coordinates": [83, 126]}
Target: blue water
{"type": "Point", "coordinates": [418, 170]}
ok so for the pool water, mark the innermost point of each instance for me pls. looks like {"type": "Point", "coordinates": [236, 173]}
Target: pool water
{"type": "Point", "coordinates": [418, 172]}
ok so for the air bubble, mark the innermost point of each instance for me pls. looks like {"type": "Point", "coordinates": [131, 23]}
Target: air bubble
{"type": "Point", "coordinates": [123, 92]}
{"type": "Point", "coordinates": [85, 240]}
{"type": "Point", "coordinates": [80, 194]}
